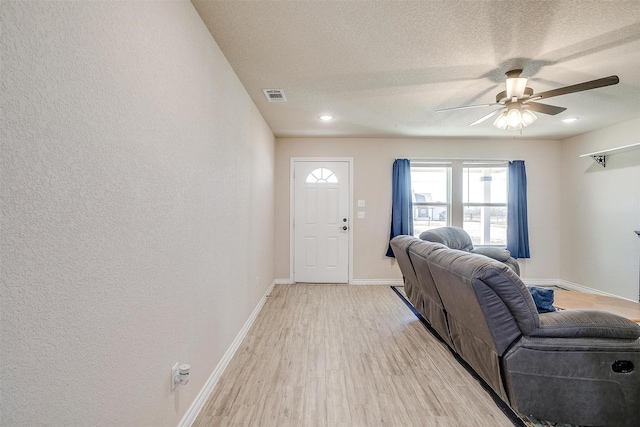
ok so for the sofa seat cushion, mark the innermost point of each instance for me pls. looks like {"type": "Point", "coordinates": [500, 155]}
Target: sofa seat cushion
{"type": "Point", "coordinates": [585, 324]}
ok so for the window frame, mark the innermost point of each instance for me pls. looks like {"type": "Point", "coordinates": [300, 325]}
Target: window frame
{"type": "Point", "coordinates": [455, 203]}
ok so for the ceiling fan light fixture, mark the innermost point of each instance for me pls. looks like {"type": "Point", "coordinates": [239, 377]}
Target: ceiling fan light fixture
{"type": "Point", "coordinates": [516, 87]}
{"type": "Point", "coordinates": [501, 121]}
{"type": "Point", "coordinates": [514, 118]}
{"type": "Point", "coordinates": [528, 117]}
{"type": "Point", "coordinates": [519, 101]}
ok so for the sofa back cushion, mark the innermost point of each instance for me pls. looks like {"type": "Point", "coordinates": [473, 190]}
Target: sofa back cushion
{"type": "Point", "coordinates": [486, 309]}
{"type": "Point", "coordinates": [400, 246]}
{"type": "Point", "coordinates": [505, 285]}
{"type": "Point", "coordinates": [484, 296]}
{"type": "Point", "coordinates": [473, 339]}
{"type": "Point", "coordinates": [452, 237]}
{"type": "Point", "coordinates": [418, 253]}
{"type": "Point", "coordinates": [432, 309]}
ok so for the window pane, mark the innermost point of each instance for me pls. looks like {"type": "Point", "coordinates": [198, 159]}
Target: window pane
{"type": "Point", "coordinates": [486, 225]}
{"type": "Point", "coordinates": [428, 217]}
{"type": "Point", "coordinates": [430, 187]}
{"type": "Point", "coordinates": [485, 185]}
{"type": "Point", "coordinates": [485, 204]}
{"type": "Point", "coordinates": [429, 184]}
{"type": "Point", "coordinates": [321, 175]}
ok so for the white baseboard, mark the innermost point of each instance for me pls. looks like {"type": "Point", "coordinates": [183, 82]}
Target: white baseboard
{"type": "Point", "coordinates": [202, 397]}
{"type": "Point", "coordinates": [575, 287]}
{"type": "Point", "coordinates": [388, 282]}
{"type": "Point", "coordinates": [565, 284]}
{"type": "Point", "coordinates": [541, 282]}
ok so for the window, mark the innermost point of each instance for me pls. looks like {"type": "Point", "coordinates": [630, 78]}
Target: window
{"type": "Point", "coordinates": [322, 176]}
{"type": "Point", "coordinates": [430, 188]}
{"type": "Point", "coordinates": [485, 204]}
{"type": "Point", "coordinates": [467, 194]}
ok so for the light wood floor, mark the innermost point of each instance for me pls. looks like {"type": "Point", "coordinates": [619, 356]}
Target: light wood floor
{"type": "Point", "coordinates": [338, 355]}
{"type": "Point", "coordinates": [568, 300]}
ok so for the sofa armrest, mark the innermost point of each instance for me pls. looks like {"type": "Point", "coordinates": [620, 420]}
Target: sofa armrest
{"type": "Point", "coordinates": [585, 324]}
{"type": "Point", "coordinates": [498, 254]}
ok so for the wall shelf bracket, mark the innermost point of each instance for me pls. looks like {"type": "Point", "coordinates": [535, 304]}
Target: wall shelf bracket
{"type": "Point", "coordinates": [600, 159]}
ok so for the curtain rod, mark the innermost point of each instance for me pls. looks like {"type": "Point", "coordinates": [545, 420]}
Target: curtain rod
{"type": "Point", "coordinates": [453, 158]}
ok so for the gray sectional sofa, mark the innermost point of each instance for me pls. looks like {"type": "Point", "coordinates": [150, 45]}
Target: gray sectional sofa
{"type": "Point", "coordinates": [575, 366]}
{"type": "Point", "coordinates": [457, 238]}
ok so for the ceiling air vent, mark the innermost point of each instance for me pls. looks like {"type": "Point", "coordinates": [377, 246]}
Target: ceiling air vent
{"type": "Point", "coordinates": [274, 95]}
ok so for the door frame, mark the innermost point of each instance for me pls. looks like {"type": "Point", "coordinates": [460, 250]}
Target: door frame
{"type": "Point", "coordinates": [292, 245]}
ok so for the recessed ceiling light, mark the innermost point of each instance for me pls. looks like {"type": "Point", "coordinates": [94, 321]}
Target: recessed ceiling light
{"type": "Point", "coordinates": [326, 117]}
{"type": "Point", "coordinates": [570, 120]}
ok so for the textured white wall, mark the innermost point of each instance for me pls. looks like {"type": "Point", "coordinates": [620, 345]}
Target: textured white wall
{"type": "Point", "coordinates": [137, 210]}
{"type": "Point", "coordinates": [373, 160]}
{"type": "Point", "coordinates": [601, 210]}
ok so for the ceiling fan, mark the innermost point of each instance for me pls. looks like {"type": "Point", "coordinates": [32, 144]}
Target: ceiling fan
{"type": "Point", "coordinates": [518, 102]}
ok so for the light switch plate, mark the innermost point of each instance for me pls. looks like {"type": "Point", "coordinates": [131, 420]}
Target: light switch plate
{"type": "Point", "coordinates": [360, 214]}
{"type": "Point", "coordinates": [361, 203]}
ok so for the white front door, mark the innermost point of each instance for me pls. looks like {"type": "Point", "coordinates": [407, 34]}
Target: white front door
{"type": "Point", "coordinates": [321, 221]}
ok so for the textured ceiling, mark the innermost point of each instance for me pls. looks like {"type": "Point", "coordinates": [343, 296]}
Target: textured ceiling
{"type": "Point", "coordinates": [382, 68]}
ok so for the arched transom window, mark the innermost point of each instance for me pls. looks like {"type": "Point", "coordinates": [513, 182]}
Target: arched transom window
{"type": "Point", "coordinates": [322, 176]}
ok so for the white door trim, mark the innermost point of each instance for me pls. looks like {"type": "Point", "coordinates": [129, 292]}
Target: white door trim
{"type": "Point", "coordinates": [292, 208]}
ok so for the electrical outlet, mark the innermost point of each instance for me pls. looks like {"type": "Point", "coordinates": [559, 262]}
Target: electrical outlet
{"type": "Point", "coordinates": [360, 214]}
{"type": "Point", "coordinates": [174, 372]}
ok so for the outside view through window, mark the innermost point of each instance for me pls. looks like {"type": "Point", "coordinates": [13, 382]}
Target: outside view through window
{"type": "Point", "coordinates": [430, 187]}
{"type": "Point", "coordinates": [484, 200]}
{"type": "Point", "coordinates": [485, 204]}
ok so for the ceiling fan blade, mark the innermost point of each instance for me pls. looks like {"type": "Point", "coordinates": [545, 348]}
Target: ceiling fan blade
{"type": "Point", "coordinates": [464, 107]}
{"type": "Point", "coordinates": [485, 117]}
{"type": "Point", "coordinates": [593, 84]}
{"type": "Point", "coordinates": [545, 108]}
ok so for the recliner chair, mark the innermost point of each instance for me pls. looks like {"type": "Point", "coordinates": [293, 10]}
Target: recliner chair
{"type": "Point", "coordinates": [457, 238]}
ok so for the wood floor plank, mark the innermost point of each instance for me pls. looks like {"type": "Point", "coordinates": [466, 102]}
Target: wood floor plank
{"type": "Point", "coordinates": [338, 355]}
